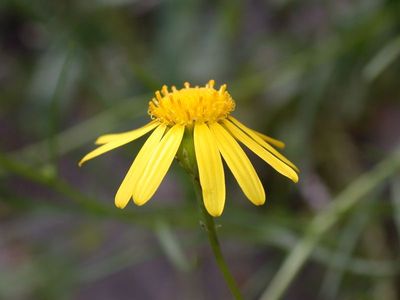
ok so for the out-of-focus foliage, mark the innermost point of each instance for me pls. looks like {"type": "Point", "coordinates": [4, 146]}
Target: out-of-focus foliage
{"type": "Point", "coordinates": [321, 75]}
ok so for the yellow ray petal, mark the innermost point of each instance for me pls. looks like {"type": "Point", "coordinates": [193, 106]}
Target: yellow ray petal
{"type": "Point", "coordinates": [211, 170]}
{"type": "Point", "coordinates": [239, 164]}
{"type": "Point", "coordinates": [268, 139]}
{"type": "Point", "coordinates": [124, 192]}
{"type": "Point", "coordinates": [259, 140]}
{"type": "Point", "coordinates": [117, 143]}
{"type": "Point", "coordinates": [107, 138]}
{"type": "Point", "coordinates": [269, 158]}
{"type": "Point", "coordinates": [153, 169]}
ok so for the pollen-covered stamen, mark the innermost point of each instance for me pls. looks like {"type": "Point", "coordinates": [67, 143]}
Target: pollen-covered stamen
{"type": "Point", "coordinates": [210, 84]}
{"type": "Point", "coordinates": [164, 90]}
{"type": "Point", "coordinates": [191, 104]}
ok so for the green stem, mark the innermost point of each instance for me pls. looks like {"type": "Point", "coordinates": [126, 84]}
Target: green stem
{"type": "Point", "coordinates": [215, 245]}
{"type": "Point", "coordinates": [187, 158]}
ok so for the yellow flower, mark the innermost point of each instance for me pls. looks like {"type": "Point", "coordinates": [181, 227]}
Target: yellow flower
{"type": "Point", "coordinates": [205, 111]}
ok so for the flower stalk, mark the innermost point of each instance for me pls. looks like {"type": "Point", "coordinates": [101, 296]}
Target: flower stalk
{"type": "Point", "coordinates": [209, 225]}
{"type": "Point", "coordinates": [187, 159]}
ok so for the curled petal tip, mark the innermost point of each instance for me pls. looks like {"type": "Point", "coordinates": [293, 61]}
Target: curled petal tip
{"type": "Point", "coordinates": [260, 202]}
{"type": "Point", "coordinates": [295, 179]}
{"type": "Point", "coordinates": [215, 214]}
{"type": "Point", "coordinates": [139, 202]}
{"type": "Point", "coordinates": [119, 203]}
{"type": "Point", "coordinates": [120, 206]}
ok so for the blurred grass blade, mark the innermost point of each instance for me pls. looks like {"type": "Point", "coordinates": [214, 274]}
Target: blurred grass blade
{"type": "Point", "coordinates": [76, 136]}
{"type": "Point", "coordinates": [396, 202]}
{"type": "Point", "coordinates": [54, 108]}
{"type": "Point", "coordinates": [342, 257]}
{"type": "Point", "coordinates": [85, 203]}
{"type": "Point", "coordinates": [125, 258]}
{"type": "Point", "coordinates": [386, 56]}
{"type": "Point", "coordinates": [170, 245]}
{"type": "Point", "coordinates": [321, 223]}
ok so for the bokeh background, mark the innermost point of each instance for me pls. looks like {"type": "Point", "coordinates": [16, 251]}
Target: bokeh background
{"type": "Point", "coordinates": [324, 76]}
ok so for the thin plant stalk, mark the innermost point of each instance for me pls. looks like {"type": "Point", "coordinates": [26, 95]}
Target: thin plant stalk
{"type": "Point", "coordinates": [187, 158]}
{"type": "Point", "coordinates": [209, 225]}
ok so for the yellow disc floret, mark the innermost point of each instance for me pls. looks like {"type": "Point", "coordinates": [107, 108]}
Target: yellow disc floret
{"type": "Point", "coordinates": [191, 104]}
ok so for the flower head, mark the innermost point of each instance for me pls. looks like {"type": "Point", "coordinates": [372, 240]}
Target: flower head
{"type": "Point", "coordinates": [205, 113]}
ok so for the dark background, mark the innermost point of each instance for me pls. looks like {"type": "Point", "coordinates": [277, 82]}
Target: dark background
{"type": "Point", "coordinates": [324, 76]}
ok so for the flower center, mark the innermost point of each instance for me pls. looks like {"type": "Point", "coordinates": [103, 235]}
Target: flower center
{"type": "Point", "coordinates": [191, 104]}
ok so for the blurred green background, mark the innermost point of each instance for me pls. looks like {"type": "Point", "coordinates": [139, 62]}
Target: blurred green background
{"type": "Point", "coordinates": [324, 76]}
